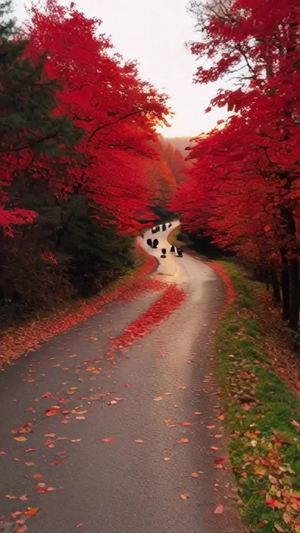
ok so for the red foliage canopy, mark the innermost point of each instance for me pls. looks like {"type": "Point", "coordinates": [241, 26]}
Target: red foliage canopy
{"type": "Point", "coordinates": [104, 97]}
{"type": "Point", "coordinates": [244, 184]}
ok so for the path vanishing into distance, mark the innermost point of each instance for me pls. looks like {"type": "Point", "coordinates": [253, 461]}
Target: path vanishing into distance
{"type": "Point", "coordinates": [105, 432]}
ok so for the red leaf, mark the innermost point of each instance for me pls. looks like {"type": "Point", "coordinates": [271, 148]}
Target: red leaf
{"type": "Point", "coordinates": [219, 509]}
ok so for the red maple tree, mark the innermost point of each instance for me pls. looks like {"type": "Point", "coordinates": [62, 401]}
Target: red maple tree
{"type": "Point", "coordinates": [244, 184]}
{"type": "Point", "coordinates": [104, 97]}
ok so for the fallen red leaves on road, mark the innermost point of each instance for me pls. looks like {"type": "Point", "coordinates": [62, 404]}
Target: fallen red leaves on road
{"type": "Point", "coordinates": [230, 292]}
{"type": "Point", "coordinates": [168, 302]}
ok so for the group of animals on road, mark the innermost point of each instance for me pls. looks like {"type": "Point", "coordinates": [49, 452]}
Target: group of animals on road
{"type": "Point", "coordinates": [155, 242]}
{"type": "Point", "coordinates": [155, 229]}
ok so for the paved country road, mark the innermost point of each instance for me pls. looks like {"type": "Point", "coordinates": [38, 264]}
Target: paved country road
{"type": "Point", "coordinates": [130, 444]}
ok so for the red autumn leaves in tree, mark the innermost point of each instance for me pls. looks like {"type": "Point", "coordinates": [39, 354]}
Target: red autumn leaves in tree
{"type": "Point", "coordinates": [243, 188]}
{"type": "Point", "coordinates": [114, 109]}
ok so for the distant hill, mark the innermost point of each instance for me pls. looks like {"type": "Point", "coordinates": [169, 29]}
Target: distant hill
{"type": "Point", "coordinates": [179, 143]}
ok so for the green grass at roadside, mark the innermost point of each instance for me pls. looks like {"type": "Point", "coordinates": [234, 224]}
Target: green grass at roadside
{"type": "Point", "coordinates": [174, 238]}
{"type": "Point", "coordinates": [262, 416]}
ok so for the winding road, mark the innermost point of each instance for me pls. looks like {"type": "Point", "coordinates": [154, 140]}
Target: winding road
{"type": "Point", "coordinates": [129, 444]}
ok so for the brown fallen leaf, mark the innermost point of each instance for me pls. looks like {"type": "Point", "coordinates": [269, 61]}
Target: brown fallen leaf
{"type": "Point", "coordinates": [53, 410]}
{"type": "Point", "coordinates": [214, 448]}
{"type": "Point", "coordinates": [26, 428]}
{"type": "Point", "coordinates": [184, 440]}
{"type": "Point", "coordinates": [274, 503]}
{"type": "Point", "coordinates": [169, 422]}
{"type": "Point", "coordinates": [259, 470]}
{"type": "Point", "coordinates": [185, 496]}
{"type": "Point", "coordinates": [219, 509]}
{"type": "Point", "coordinates": [262, 523]}
{"type": "Point", "coordinates": [38, 476]}
{"type": "Point", "coordinates": [31, 511]}
{"type": "Point", "coordinates": [158, 398]}
{"type": "Point", "coordinates": [296, 424]}
{"type": "Point", "coordinates": [279, 528]}
{"type": "Point", "coordinates": [197, 474]}
{"type": "Point", "coordinates": [107, 440]}
{"type": "Point", "coordinates": [42, 488]}
{"type": "Point", "coordinates": [219, 462]}
{"type": "Point", "coordinates": [20, 438]}
{"type": "Point", "coordinates": [287, 518]}
{"type": "Point", "coordinates": [247, 406]}
{"type": "Point", "coordinates": [29, 463]}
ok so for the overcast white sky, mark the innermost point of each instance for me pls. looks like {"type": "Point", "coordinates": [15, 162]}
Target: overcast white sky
{"type": "Point", "coordinates": [154, 33]}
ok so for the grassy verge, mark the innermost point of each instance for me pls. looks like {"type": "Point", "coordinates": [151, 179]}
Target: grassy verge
{"type": "Point", "coordinates": [262, 416]}
{"type": "Point", "coordinates": [174, 238]}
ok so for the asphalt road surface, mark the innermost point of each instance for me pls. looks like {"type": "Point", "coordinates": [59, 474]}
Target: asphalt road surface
{"type": "Point", "coordinates": [132, 444]}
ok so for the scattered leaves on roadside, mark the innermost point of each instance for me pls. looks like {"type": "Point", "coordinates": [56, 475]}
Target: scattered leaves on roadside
{"type": "Point", "coordinates": [197, 474]}
{"type": "Point", "coordinates": [219, 462]}
{"type": "Point", "coordinates": [31, 511]}
{"type": "Point", "coordinates": [219, 509]}
{"type": "Point", "coordinates": [53, 410]}
{"type": "Point", "coordinates": [171, 298]}
{"type": "Point", "coordinates": [185, 496]}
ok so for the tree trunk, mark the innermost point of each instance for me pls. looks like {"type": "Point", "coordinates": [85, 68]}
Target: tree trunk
{"type": "Point", "coordinates": [275, 286]}
{"type": "Point", "coordinates": [294, 293]}
{"type": "Point", "coordinates": [267, 282]}
{"type": "Point", "coordinates": [285, 286]}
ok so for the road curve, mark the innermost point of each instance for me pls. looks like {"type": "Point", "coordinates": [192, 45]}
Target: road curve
{"type": "Point", "coordinates": [140, 449]}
